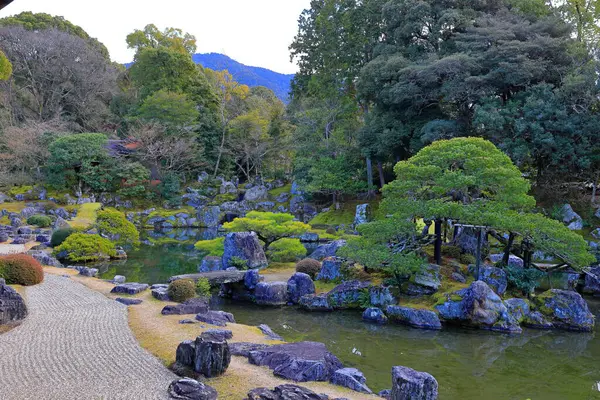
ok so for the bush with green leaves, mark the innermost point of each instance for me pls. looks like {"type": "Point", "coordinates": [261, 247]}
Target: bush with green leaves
{"type": "Point", "coordinates": [309, 266]}
{"type": "Point", "coordinates": [203, 287]}
{"type": "Point", "coordinates": [81, 247]}
{"type": "Point", "coordinates": [467, 258]}
{"type": "Point", "coordinates": [41, 221]}
{"type": "Point", "coordinates": [60, 235]}
{"type": "Point", "coordinates": [239, 263]}
{"type": "Point", "coordinates": [451, 251]}
{"type": "Point", "coordinates": [214, 247]}
{"type": "Point", "coordinates": [523, 279]}
{"type": "Point", "coordinates": [114, 225]}
{"type": "Point", "coordinates": [21, 269]}
{"type": "Point", "coordinates": [181, 290]}
{"type": "Point", "coordinates": [286, 250]}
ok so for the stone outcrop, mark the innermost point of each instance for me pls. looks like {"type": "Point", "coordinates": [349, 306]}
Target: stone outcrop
{"type": "Point", "coordinates": [330, 269]}
{"type": "Point", "coordinates": [417, 318]}
{"type": "Point", "coordinates": [327, 250]}
{"type": "Point", "coordinates": [495, 277]}
{"type": "Point", "coordinates": [208, 217]}
{"type": "Point", "coordinates": [352, 379]}
{"type": "Point", "coordinates": [478, 306]}
{"type": "Point", "coordinates": [271, 293]}
{"type": "Point", "coordinates": [518, 308]}
{"type": "Point", "coordinates": [564, 309]}
{"type": "Point", "coordinates": [217, 334]}
{"type": "Point", "coordinates": [571, 218]}
{"type": "Point", "coordinates": [299, 285]}
{"type": "Point", "coordinates": [244, 245]}
{"type": "Point", "coordinates": [189, 389]}
{"type": "Point", "coordinates": [315, 302]}
{"type": "Point", "coordinates": [348, 294]}
{"type": "Point", "coordinates": [425, 282]}
{"type": "Point", "coordinates": [12, 306]}
{"type": "Point", "coordinates": [256, 193]}
{"type": "Point", "coordinates": [408, 384]}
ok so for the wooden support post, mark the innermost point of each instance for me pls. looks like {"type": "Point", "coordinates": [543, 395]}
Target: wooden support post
{"type": "Point", "coordinates": [438, 242]}
{"type": "Point", "coordinates": [478, 252]}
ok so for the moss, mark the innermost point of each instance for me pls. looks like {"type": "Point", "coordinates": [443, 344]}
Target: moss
{"type": "Point", "coordinates": [16, 206]}
{"type": "Point", "coordinates": [324, 287]}
{"type": "Point", "coordinates": [213, 247]}
{"type": "Point", "coordinates": [277, 191]}
{"type": "Point", "coordinates": [223, 198]}
{"type": "Point", "coordinates": [86, 215]}
{"type": "Point", "coordinates": [16, 190]}
{"type": "Point", "coordinates": [5, 220]}
{"type": "Point", "coordinates": [164, 213]}
{"type": "Point", "coordinates": [343, 216]}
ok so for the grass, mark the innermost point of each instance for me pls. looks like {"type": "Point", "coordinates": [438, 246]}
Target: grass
{"type": "Point", "coordinates": [86, 215]}
{"type": "Point", "coordinates": [277, 191]}
{"type": "Point", "coordinates": [324, 287]}
{"type": "Point", "coordinates": [345, 215]}
{"type": "Point", "coordinates": [161, 212]}
{"type": "Point", "coordinates": [214, 247]}
{"type": "Point", "coordinates": [16, 206]}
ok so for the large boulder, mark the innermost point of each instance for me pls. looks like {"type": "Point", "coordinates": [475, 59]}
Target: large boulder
{"type": "Point", "coordinates": [299, 285]}
{"type": "Point", "coordinates": [271, 293]}
{"type": "Point", "coordinates": [285, 392]}
{"type": "Point", "coordinates": [300, 362]}
{"type": "Point", "coordinates": [380, 296]}
{"type": "Point", "coordinates": [251, 279]}
{"type": "Point", "coordinates": [571, 218]}
{"type": "Point", "coordinates": [189, 389]}
{"type": "Point", "coordinates": [495, 277]}
{"type": "Point", "coordinates": [210, 263]}
{"type": "Point", "coordinates": [362, 214]}
{"type": "Point", "coordinates": [478, 306]}
{"type": "Point", "coordinates": [592, 281]}
{"type": "Point", "coordinates": [208, 217]}
{"type": "Point", "coordinates": [244, 245]}
{"type": "Point", "coordinates": [212, 357]}
{"type": "Point", "coordinates": [217, 318]}
{"type": "Point", "coordinates": [256, 193]}
{"type": "Point", "coordinates": [330, 269]}
{"type": "Point", "coordinates": [197, 305]}
{"type": "Point", "coordinates": [418, 318]}
{"type": "Point", "coordinates": [565, 309]}
{"type": "Point", "coordinates": [348, 294]}
{"type": "Point", "coordinates": [45, 258]}
{"type": "Point", "coordinates": [519, 309]}
{"type": "Point", "coordinates": [315, 302]}
{"type": "Point", "coordinates": [130, 288]}
{"type": "Point", "coordinates": [327, 250]}
{"type": "Point", "coordinates": [513, 261]}
{"type": "Point", "coordinates": [12, 306]}
{"type": "Point", "coordinates": [352, 379]}
{"type": "Point", "coordinates": [425, 282]}
{"type": "Point", "coordinates": [408, 384]}
{"type": "Point", "coordinates": [243, 349]}
{"type": "Point", "coordinates": [217, 334]}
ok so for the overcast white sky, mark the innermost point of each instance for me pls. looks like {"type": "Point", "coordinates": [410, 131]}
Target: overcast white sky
{"type": "Point", "coordinates": [253, 32]}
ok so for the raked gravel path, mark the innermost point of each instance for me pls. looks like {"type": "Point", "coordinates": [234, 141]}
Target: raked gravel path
{"type": "Point", "coordinates": [76, 344]}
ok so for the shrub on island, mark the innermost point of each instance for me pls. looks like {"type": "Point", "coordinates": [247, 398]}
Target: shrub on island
{"type": "Point", "coordinates": [41, 221]}
{"type": "Point", "coordinates": [181, 290]}
{"type": "Point", "coordinates": [114, 225]}
{"type": "Point", "coordinates": [81, 247]}
{"type": "Point", "coordinates": [309, 266]}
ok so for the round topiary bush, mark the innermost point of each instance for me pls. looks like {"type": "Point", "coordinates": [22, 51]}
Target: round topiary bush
{"type": "Point", "coordinates": [81, 247]}
{"type": "Point", "coordinates": [21, 269]}
{"type": "Point", "coordinates": [309, 266]}
{"type": "Point", "coordinates": [60, 235]}
{"type": "Point", "coordinates": [114, 225]}
{"type": "Point", "coordinates": [181, 290]}
{"type": "Point", "coordinates": [41, 221]}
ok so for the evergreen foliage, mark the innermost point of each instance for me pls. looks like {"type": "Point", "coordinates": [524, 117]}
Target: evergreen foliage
{"type": "Point", "coordinates": [113, 224]}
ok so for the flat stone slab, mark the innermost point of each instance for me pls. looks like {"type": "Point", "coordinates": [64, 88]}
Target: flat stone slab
{"type": "Point", "coordinates": [130, 288]}
{"type": "Point", "coordinates": [192, 306]}
{"type": "Point", "coordinates": [215, 278]}
{"type": "Point", "coordinates": [129, 302]}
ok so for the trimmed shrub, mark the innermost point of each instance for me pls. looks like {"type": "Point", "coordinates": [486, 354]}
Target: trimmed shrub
{"type": "Point", "coordinates": [309, 266]}
{"type": "Point", "coordinates": [523, 279]}
{"type": "Point", "coordinates": [181, 290]}
{"type": "Point", "coordinates": [60, 235]}
{"type": "Point", "coordinates": [451, 251]}
{"type": "Point", "coordinates": [214, 247]}
{"type": "Point", "coordinates": [286, 250]}
{"type": "Point", "coordinates": [80, 247]}
{"type": "Point", "coordinates": [21, 269]}
{"type": "Point", "coordinates": [114, 225]}
{"type": "Point", "coordinates": [467, 258]}
{"type": "Point", "coordinates": [203, 287]}
{"type": "Point", "coordinates": [41, 221]}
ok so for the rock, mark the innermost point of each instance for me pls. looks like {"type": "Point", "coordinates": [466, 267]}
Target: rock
{"type": "Point", "coordinates": [45, 259]}
{"type": "Point", "coordinates": [408, 384]}
{"type": "Point", "coordinates": [218, 335]}
{"type": "Point", "coordinates": [194, 200]}
{"type": "Point", "coordinates": [256, 193]}
{"type": "Point", "coordinates": [209, 217]}
{"type": "Point", "coordinates": [571, 218]}
{"type": "Point", "coordinates": [227, 187]}
{"type": "Point", "coordinates": [60, 223]}
{"type": "Point", "coordinates": [266, 329]}
{"type": "Point", "coordinates": [327, 250]}
{"type": "Point", "coordinates": [285, 392]}
{"type": "Point", "coordinates": [296, 204]}
{"type": "Point", "coordinates": [161, 294]}
{"type": "Point", "coordinates": [330, 269]}
{"type": "Point", "coordinates": [212, 357]}
{"type": "Point", "coordinates": [24, 230]}
{"type": "Point", "coordinates": [513, 261]}
{"type": "Point", "coordinates": [189, 389]}
{"type": "Point", "coordinates": [386, 394]}
{"type": "Point", "coordinates": [282, 197]}
{"type": "Point", "coordinates": [187, 321]}
{"type": "Point", "coordinates": [197, 305]}
{"type": "Point", "coordinates": [374, 314]}
{"type": "Point", "coordinates": [22, 239]}
{"type": "Point", "coordinates": [300, 362]}
{"type": "Point", "coordinates": [592, 281]}
{"type": "Point", "coordinates": [210, 263]}
{"type": "Point", "coordinates": [518, 308]}
{"type": "Point", "coordinates": [243, 348]}
{"type": "Point", "coordinates": [85, 271]}
{"type": "Point", "coordinates": [380, 296]}
{"type": "Point", "coordinates": [425, 282]}
{"type": "Point", "coordinates": [299, 285]}
{"type": "Point", "coordinates": [309, 237]}
{"type": "Point", "coordinates": [314, 302]}
{"type": "Point", "coordinates": [347, 294]}
{"type": "Point", "coordinates": [362, 214]}
{"type": "Point", "coordinates": [537, 320]}
{"type": "Point", "coordinates": [4, 237]}
{"type": "Point", "coordinates": [423, 319]}
{"type": "Point", "coordinates": [352, 379]}
{"type": "Point", "coordinates": [458, 277]}
{"type": "Point", "coordinates": [217, 318]}
{"type": "Point", "coordinates": [596, 233]}
{"type": "Point", "coordinates": [118, 280]}
{"type": "Point", "coordinates": [495, 277]}
{"type": "Point", "coordinates": [130, 288]}
{"type": "Point", "coordinates": [42, 238]}
{"type": "Point", "coordinates": [478, 306]}
{"type": "Point", "coordinates": [271, 293]}
{"type": "Point", "coordinates": [12, 305]}
{"type": "Point", "coordinates": [28, 212]}
{"type": "Point", "coordinates": [565, 309]}
{"type": "Point", "coordinates": [244, 245]}
{"type": "Point", "coordinates": [128, 301]}
{"type": "Point", "coordinates": [252, 278]}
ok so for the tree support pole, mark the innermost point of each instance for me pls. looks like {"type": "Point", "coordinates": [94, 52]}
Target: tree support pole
{"type": "Point", "coordinates": [438, 242]}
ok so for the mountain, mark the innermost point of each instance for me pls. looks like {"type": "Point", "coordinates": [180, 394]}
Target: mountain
{"type": "Point", "coordinates": [251, 76]}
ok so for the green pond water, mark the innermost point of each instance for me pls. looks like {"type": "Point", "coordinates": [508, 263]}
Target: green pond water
{"type": "Point", "coordinates": [468, 364]}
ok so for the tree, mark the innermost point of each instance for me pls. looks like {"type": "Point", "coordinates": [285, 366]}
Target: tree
{"type": "Point", "coordinates": [152, 37]}
{"type": "Point", "coordinates": [170, 109]}
{"type": "Point", "coordinates": [112, 224]}
{"type": "Point", "coordinates": [5, 67]}
{"type": "Point", "coordinates": [269, 227]}
{"type": "Point", "coordinates": [335, 177]}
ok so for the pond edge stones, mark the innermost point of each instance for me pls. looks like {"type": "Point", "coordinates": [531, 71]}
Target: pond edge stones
{"type": "Point", "coordinates": [408, 384]}
{"type": "Point", "coordinates": [244, 245]}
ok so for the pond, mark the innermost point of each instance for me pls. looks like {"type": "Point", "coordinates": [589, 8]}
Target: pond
{"type": "Point", "coordinates": [468, 364]}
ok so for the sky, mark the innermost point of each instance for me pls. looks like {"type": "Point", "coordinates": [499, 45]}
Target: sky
{"type": "Point", "coordinates": [253, 32]}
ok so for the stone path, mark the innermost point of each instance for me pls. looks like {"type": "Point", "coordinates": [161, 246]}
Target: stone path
{"type": "Point", "coordinates": [76, 344]}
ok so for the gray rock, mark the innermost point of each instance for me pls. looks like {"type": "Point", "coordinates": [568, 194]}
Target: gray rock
{"type": "Point", "coordinates": [300, 362]}
{"type": "Point", "coordinates": [4, 237]}
{"type": "Point", "coordinates": [118, 279]}
{"type": "Point", "coordinates": [161, 294]}
{"type": "Point", "coordinates": [60, 223]}
{"type": "Point", "coordinates": [380, 296]}
{"type": "Point", "coordinates": [243, 349]}
{"type": "Point", "coordinates": [386, 394]}
{"type": "Point", "coordinates": [45, 259]}
{"type": "Point", "coordinates": [596, 233]}
{"type": "Point", "coordinates": [209, 217]}
{"type": "Point", "coordinates": [28, 212]}
{"type": "Point", "coordinates": [130, 288]}
{"type": "Point", "coordinates": [244, 245]}
{"type": "Point", "coordinates": [159, 286]}
{"type": "Point", "coordinates": [425, 282]}
{"type": "Point", "coordinates": [189, 389]}
{"type": "Point", "coordinates": [218, 335]}
{"type": "Point", "coordinates": [227, 187]}
{"type": "Point", "coordinates": [85, 271]}
{"type": "Point", "coordinates": [362, 214]}
{"type": "Point", "coordinates": [309, 237]}
{"type": "Point", "coordinates": [494, 277]}
{"type": "Point", "coordinates": [566, 310]}
{"type": "Point", "coordinates": [374, 314]}
{"type": "Point", "coordinates": [299, 285]}
{"type": "Point", "coordinates": [418, 318]}
{"type": "Point", "coordinates": [592, 281]}
{"type": "Point", "coordinates": [352, 379]}
{"type": "Point", "coordinates": [327, 250]}
{"type": "Point", "coordinates": [296, 204]}
{"type": "Point", "coordinates": [187, 321]}
{"type": "Point", "coordinates": [266, 329]}
{"type": "Point", "coordinates": [513, 261]}
{"type": "Point", "coordinates": [128, 301]}
{"type": "Point", "coordinates": [210, 263]}
{"type": "Point", "coordinates": [212, 357]}
{"type": "Point", "coordinates": [217, 318]}
{"type": "Point", "coordinates": [518, 308]}
{"type": "Point", "coordinates": [347, 294]}
{"type": "Point", "coordinates": [197, 305]}
{"type": "Point", "coordinates": [215, 278]}
{"type": "Point", "coordinates": [12, 305]}
{"type": "Point", "coordinates": [458, 277]}
{"type": "Point", "coordinates": [330, 269]}
{"type": "Point", "coordinates": [314, 302]}
{"type": "Point", "coordinates": [285, 392]}
{"type": "Point", "coordinates": [252, 278]}
{"type": "Point", "coordinates": [537, 320]}
{"type": "Point", "coordinates": [282, 197]}
{"type": "Point", "coordinates": [478, 306]}
{"type": "Point", "coordinates": [408, 384]}
{"type": "Point", "coordinates": [271, 293]}
{"type": "Point", "coordinates": [571, 218]}
{"type": "Point", "coordinates": [256, 193]}
{"type": "Point", "coordinates": [265, 206]}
